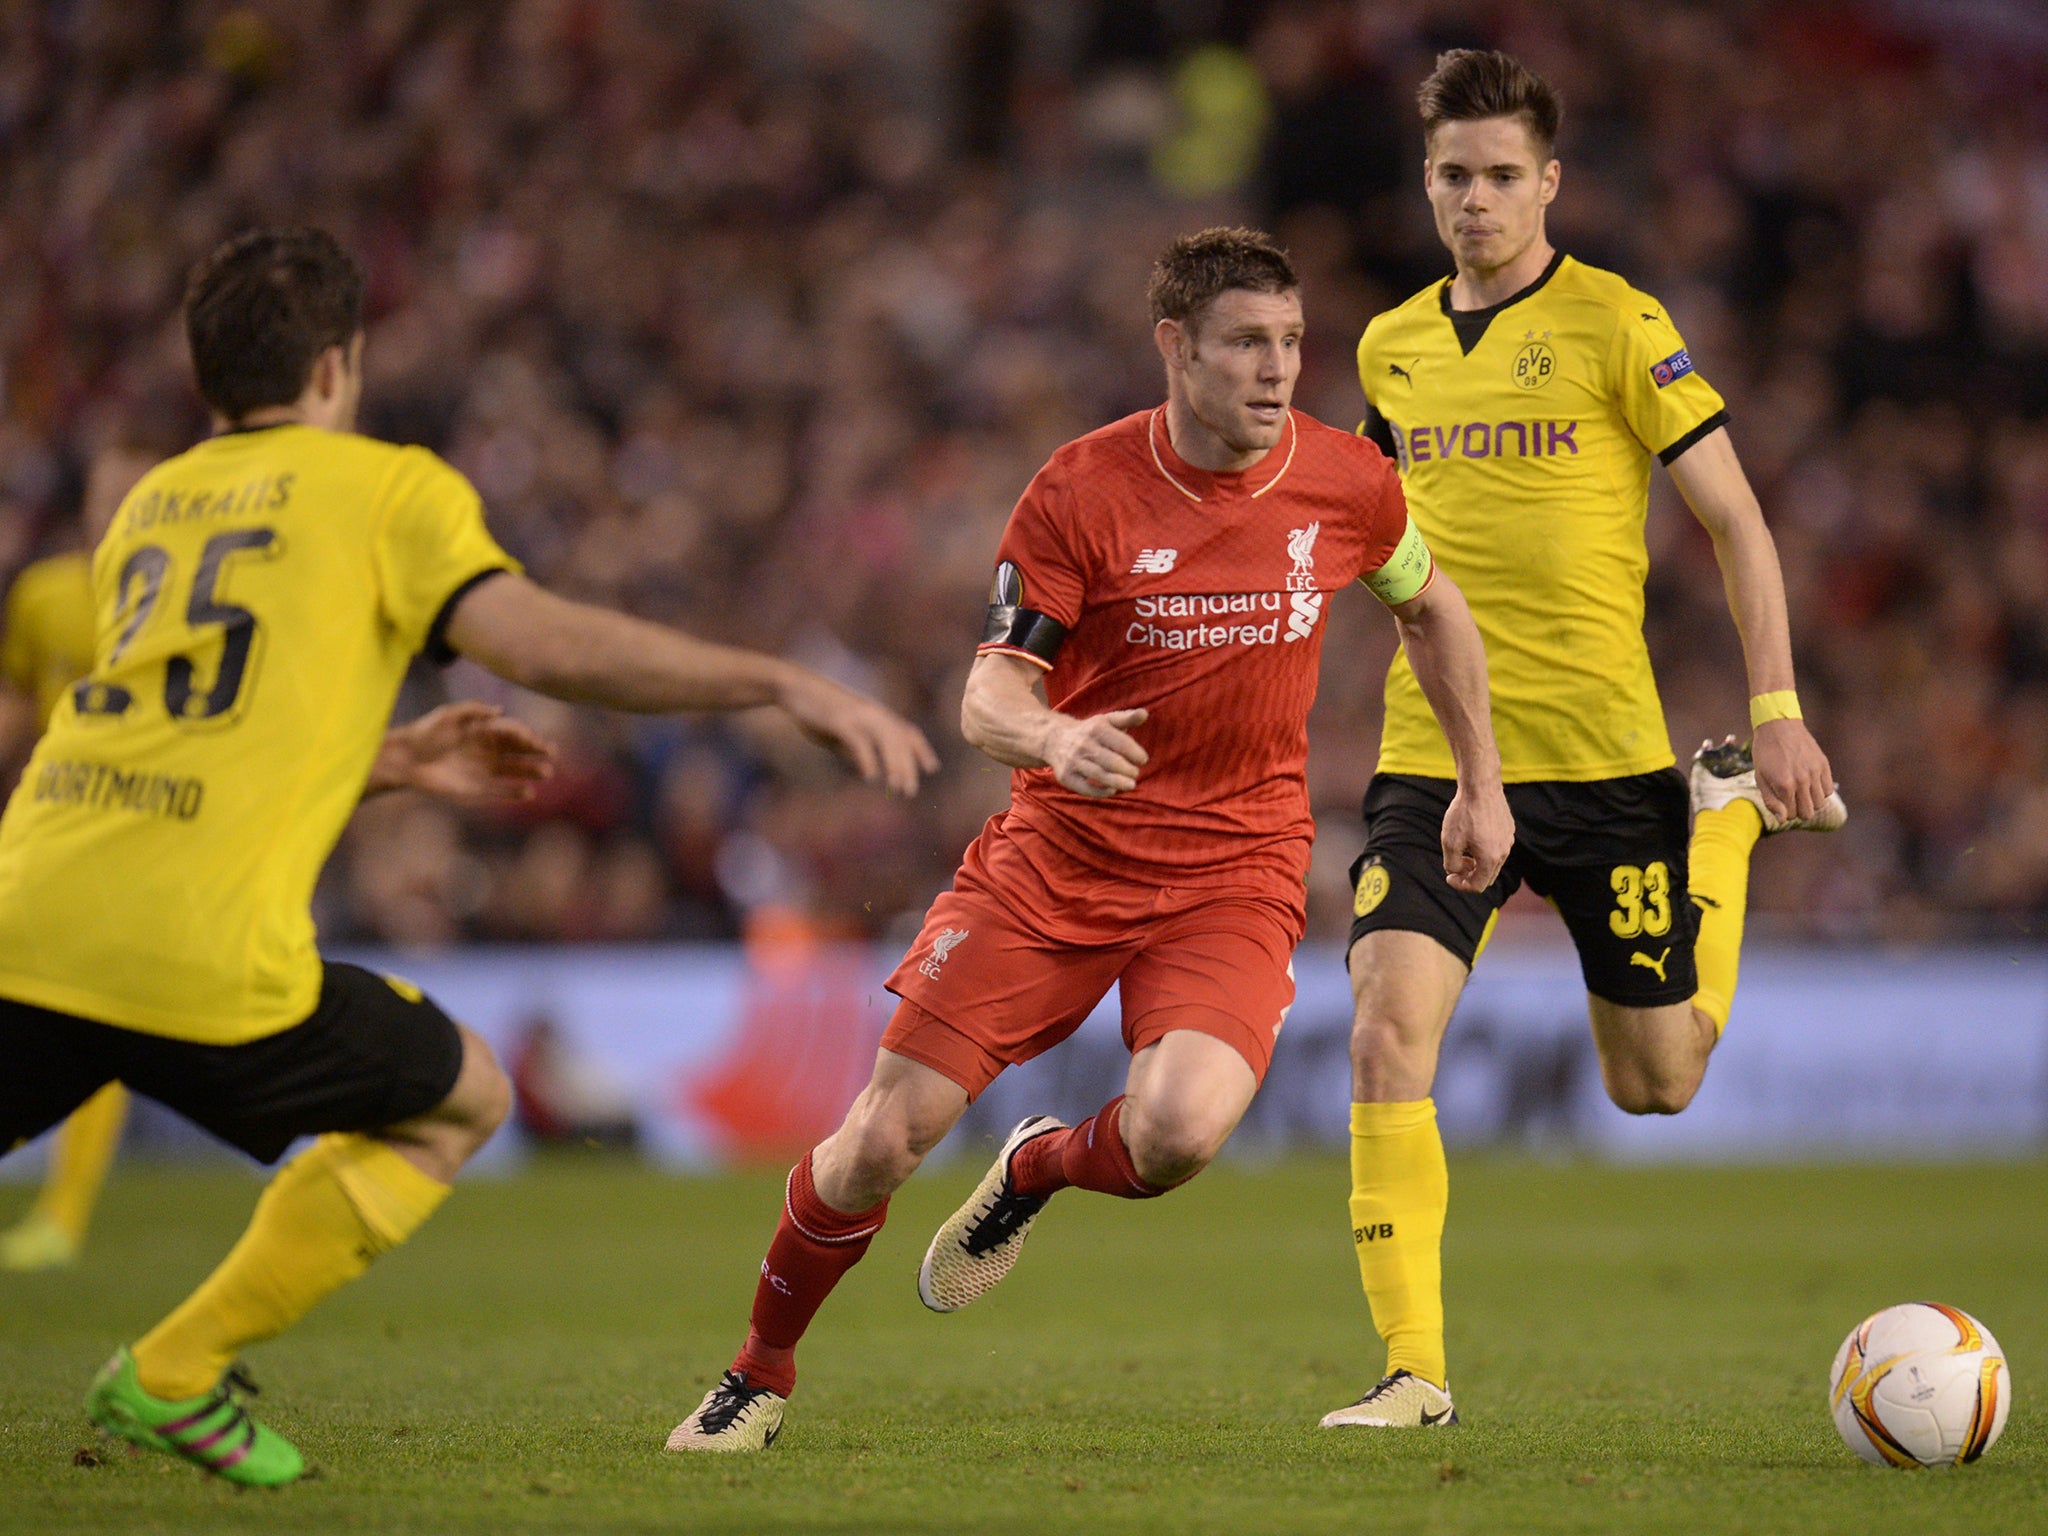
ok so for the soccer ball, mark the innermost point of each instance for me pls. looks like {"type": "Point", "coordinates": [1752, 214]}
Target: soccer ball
{"type": "Point", "coordinates": [1920, 1385]}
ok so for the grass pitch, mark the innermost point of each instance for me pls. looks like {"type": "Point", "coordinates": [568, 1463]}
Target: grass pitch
{"type": "Point", "coordinates": [1639, 1350]}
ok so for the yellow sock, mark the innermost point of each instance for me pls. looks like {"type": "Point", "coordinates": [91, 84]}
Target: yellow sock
{"type": "Point", "coordinates": [1399, 1192]}
{"type": "Point", "coordinates": [1719, 877]}
{"type": "Point", "coordinates": [79, 1159]}
{"type": "Point", "coordinates": [319, 1223]}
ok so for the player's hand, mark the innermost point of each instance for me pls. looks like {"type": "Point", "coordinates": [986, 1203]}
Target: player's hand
{"type": "Point", "coordinates": [1095, 756]}
{"type": "Point", "coordinates": [467, 752]}
{"type": "Point", "coordinates": [1792, 773]}
{"type": "Point", "coordinates": [1479, 833]}
{"type": "Point", "coordinates": [880, 745]}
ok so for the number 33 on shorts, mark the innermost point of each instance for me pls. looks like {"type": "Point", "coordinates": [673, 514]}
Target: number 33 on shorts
{"type": "Point", "coordinates": [1642, 900]}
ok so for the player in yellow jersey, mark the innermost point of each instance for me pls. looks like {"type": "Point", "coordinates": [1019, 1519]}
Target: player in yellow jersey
{"type": "Point", "coordinates": [462, 752]}
{"type": "Point", "coordinates": [45, 647]}
{"type": "Point", "coordinates": [258, 600]}
{"type": "Point", "coordinates": [1525, 398]}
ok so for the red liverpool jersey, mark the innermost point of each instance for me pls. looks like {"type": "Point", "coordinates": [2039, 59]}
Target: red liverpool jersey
{"type": "Point", "coordinates": [1199, 597]}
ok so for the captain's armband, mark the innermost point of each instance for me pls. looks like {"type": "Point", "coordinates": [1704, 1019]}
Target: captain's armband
{"type": "Point", "coordinates": [1407, 573]}
{"type": "Point", "coordinates": [1014, 630]}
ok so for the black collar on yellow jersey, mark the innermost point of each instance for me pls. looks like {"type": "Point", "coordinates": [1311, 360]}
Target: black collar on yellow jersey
{"type": "Point", "coordinates": [1471, 324]}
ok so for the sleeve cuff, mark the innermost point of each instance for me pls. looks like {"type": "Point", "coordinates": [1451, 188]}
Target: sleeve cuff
{"type": "Point", "coordinates": [1017, 651]}
{"type": "Point", "coordinates": [1668, 456]}
{"type": "Point", "coordinates": [436, 647]}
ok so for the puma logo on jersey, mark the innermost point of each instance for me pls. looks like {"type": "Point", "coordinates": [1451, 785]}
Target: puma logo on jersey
{"type": "Point", "coordinates": [1396, 371]}
{"type": "Point", "coordinates": [1154, 562]}
{"type": "Point", "coordinates": [948, 940]}
{"type": "Point", "coordinates": [1657, 965]}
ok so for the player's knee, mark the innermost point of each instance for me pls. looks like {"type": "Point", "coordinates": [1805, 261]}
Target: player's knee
{"type": "Point", "coordinates": [1389, 1057]}
{"type": "Point", "coordinates": [886, 1149]}
{"type": "Point", "coordinates": [1641, 1093]}
{"type": "Point", "coordinates": [1171, 1149]}
{"type": "Point", "coordinates": [484, 1100]}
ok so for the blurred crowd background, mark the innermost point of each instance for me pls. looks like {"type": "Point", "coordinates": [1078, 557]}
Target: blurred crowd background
{"type": "Point", "coordinates": [755, 317]}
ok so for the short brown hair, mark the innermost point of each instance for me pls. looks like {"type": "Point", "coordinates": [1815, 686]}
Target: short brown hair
{"type": "Point", "coordinates": [262, 308]}
{"type": "Point", "coordinates": [1192, 271]}
{"type": "Point", "coordinates": [1469, 85]}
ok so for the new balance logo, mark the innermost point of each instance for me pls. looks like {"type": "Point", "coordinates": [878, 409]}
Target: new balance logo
{"type": "Point", "coordinates": [1372, 1232]}
{"type": "Point", "coordinates": [1657, 965]}
{"type": "Point", "coordinates": [1154, 562]}
{"type": "Point", "coordinates": [942, 946]}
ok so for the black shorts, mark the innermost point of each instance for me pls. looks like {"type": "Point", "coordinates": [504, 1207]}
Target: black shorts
{"type": "Point", "coordinates": [1610, 855]}
{"type": "Point", "coordinates": [368, 1056]}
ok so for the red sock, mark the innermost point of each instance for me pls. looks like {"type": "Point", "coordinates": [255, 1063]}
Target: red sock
{"type": "Point", "coordinates": [1091, 1155]}
{"type": "Point", "coordinates": [814, 1245]}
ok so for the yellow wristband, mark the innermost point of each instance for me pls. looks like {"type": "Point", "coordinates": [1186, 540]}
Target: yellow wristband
{"type": "Point", "coordinates": [1782, 705]}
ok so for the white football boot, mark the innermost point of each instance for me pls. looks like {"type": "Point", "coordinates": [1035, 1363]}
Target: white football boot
{"type": "Point", "coordinates": [1402, 1400]}
{"type": "Point", "coordinates": [981, 1240]}
{"type": "Point", "coordinates": [1727, 773]}
{"type": "Point", "coordinates": [732, 1417]}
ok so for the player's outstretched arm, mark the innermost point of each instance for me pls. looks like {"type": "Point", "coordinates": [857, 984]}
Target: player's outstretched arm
{"type": "Point", "coordinates": [1792, 772]}
{"type": "Point", "coordinates": [469, 753]}
{"type": "Point", "coordinates": [1003, 714]}
{"type": "Point", "coordinates": [594, 656]}
{"type": "Point", "coordinates": [1449, 661]}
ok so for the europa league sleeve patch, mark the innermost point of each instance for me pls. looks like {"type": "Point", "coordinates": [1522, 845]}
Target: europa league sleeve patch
{"type": "Point", "coordinates": [1014, 629]}
{"type": "Point", "coordinates": [1676, 366]}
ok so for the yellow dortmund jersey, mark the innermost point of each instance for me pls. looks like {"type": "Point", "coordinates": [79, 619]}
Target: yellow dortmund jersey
{"type": "Point", "coordinates": [48, 641]}
{"type": "Point", "coordinates": [257, 600]}
{"type": "Point", "coordinates": [1524, 434]}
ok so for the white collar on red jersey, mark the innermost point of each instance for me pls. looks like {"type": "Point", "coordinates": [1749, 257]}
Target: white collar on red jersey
{"type": "Point", "coordinates": [1156, 424]}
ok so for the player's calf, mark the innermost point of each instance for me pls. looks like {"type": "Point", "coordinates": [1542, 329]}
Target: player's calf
{"type": "Point", "coordinates": [1187, 1092]}
{"type": "Point", "coordinates": [905, 1110]}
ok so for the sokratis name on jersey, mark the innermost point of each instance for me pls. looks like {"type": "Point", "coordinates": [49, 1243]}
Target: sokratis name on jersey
{"type": "Point", "coordinates": [1265, 618]}
{"type": "Point", "coordinates": [162, 507]}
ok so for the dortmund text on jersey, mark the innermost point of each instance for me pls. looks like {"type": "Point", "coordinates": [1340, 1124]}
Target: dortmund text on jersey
{"type": "Point", "coordinates": [257, 600]}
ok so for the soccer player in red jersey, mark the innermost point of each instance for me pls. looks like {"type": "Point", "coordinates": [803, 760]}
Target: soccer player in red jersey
{"type": "Point", "coordinates": [1163, 580]}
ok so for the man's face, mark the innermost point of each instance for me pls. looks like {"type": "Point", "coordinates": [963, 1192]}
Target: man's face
{"type": "Point", "coordinates": [1489, 188]}
{"type": "Point", "coordinates": [1239, 358]}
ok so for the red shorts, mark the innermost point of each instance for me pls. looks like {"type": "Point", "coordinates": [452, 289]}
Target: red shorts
{"type": "Point", "coordinates": [1017, 954]}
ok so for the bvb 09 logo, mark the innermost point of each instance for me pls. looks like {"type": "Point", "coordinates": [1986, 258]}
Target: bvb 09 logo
{"type": "Point", "coordinates": [1534, 365]}
{"type": "Point", "coordinates": [1373, 881]}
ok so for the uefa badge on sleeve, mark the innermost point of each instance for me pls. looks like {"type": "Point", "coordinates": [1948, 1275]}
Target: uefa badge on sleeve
{"type": "Point", "coordinates": [1676, 366]}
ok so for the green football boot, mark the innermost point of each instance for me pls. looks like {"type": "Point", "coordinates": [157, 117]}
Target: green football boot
{"type": "Point", "coordinates": [213, 1432]}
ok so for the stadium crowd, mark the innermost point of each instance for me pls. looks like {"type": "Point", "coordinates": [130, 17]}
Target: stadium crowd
{"type": "Point", "coordinates": [741, 321]}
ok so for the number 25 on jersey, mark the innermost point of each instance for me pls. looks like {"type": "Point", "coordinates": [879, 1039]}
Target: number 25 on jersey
{"type": "Point", "coordinates": [148, 571]}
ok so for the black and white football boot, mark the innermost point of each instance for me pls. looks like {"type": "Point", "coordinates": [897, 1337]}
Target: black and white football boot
{"type": "Point", "coordinates": [980, 1241]}
{"type": "Point", "coordinates": [1402, 1400]}
{"type": "Point", "coordinates": [733, 1417]}
{"type": "Point", "coordinates": [1727, 773]}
